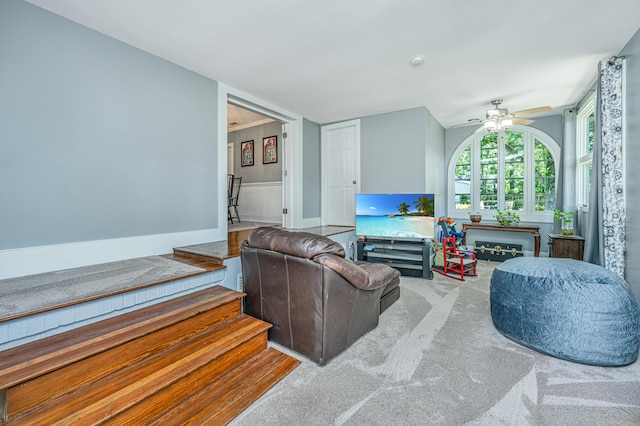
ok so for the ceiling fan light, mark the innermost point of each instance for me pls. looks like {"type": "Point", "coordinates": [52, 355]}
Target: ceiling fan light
{"type": "Point", "coordinates": [490, 125]}
{"type": "Point", "coordinates": [506, 123]}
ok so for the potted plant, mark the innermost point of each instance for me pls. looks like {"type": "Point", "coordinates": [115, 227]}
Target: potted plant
{"type": "Point", "coordinates": [475, 217]}
{"type": "Point", "coordinates": [567, 221]}
{"type": "Point", "coordinates": [507, 218]}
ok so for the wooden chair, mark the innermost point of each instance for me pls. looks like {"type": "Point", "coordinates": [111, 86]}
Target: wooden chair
{"type": "Point", "coordinates": [230, 179]}
{"type": "Point", "coordinates": [233, 199]}
{"type": "Point", "coordinates": [456, 263]}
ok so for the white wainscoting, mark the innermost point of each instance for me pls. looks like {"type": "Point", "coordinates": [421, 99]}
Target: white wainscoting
{"type": "Point", "coordinates": [37, 326]}
{"type": "Point", "coordinates": [260, 202]}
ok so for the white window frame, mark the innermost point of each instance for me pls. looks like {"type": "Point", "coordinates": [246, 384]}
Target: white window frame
{"type": "Point", "coordinates": [583, 157]}
{"type": "Point", "coordinates": [529, 214]}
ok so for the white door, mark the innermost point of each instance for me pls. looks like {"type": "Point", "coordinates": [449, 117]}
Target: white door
{"type": "Point", "coordinates": [341, 172]}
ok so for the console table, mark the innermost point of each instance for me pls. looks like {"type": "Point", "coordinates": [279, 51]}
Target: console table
{"type": "Point", "coordinates": [533, 230]}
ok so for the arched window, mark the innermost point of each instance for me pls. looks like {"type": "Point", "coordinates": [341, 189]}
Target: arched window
{"type": "Point", "coordinates": [512, 170]}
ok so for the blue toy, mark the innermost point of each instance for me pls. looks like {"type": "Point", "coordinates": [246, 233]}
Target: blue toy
{"type": "Point", "coordinates": [449, 229]}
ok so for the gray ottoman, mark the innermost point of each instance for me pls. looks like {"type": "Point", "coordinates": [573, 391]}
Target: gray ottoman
{"type": "Point", "coordinates": [566, 308]}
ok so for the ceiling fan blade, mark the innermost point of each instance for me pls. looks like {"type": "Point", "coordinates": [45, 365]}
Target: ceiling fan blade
{"type": "Point", "coordinates": [531, 111]}
{"type": "Point", "coordinates": [522, 121]}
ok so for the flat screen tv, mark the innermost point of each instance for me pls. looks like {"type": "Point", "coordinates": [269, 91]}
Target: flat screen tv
{"type": "Point", "coordinates": [395, 215]}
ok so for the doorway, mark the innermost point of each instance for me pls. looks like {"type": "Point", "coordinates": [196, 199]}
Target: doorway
{"type": "Point", "coordinates": [292, 171]}
{"type": "Point", "coordinates": [250, 135]}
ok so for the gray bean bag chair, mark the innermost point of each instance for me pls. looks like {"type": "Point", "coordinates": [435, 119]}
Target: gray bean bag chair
{"type": "Point", "coordinates": [566, 308]}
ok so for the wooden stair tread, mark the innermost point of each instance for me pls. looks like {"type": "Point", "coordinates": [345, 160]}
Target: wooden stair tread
{"type": "Point", "coordinates": [33, 359]}
{"type": "Point", "coordinates": [217, 258]}
{"type": "Point", "coordinates": [66, 379]}
{"type": "Point", "coordinates": [208, 263]}
{"type": "Point", "coordinates": [221, 401]}
{"type": "Point", "coordinates": [175, 394]}
{"type": "Point", "coordinates": [124, 389]}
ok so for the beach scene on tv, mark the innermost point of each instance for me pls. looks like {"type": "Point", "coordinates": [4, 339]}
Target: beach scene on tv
{"type": "Point", "coordinates": [395, 215]}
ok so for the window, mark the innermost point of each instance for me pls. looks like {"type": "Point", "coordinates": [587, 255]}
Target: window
{"type": "Point", "coordinates": [515, 169]}
{"type": "Point", "coordinates": [463, 180]}
{"type": "Point", "coordinates": [585, 135]}
{"type": "Point", "coordinates": [545, 182]}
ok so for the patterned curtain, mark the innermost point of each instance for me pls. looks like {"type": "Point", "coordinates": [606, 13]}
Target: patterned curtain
{"type": "Point", "coordinates": [606, 245]}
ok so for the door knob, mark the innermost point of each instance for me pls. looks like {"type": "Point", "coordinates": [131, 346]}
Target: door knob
{"type": "Point", "coordinates": [354, 182]}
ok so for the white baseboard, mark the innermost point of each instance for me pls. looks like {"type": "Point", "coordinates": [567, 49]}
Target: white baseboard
{"type": "Point", "coordinates": [260, 219]}
{"type": "Point", "coordinates": [35, 260]}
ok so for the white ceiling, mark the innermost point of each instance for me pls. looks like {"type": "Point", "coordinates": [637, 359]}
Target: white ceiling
{"type": "Point", "coordinates": [240, 118]}
{"type": "Point", "coordinates": [334, 60]}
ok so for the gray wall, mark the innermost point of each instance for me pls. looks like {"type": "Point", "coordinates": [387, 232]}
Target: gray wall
{"type": "Point", "coordinates": [632, 178]}
{"type": "Point", "coordinates": [435, 168]}
{"type": "Point", "coordinates": [259, 172]}
{"type": "Point", "coordinates": [311, 185]}
{"type": "Point", "coordinates": [392, 152]}
{"type": "Point", "coordinates": [98, 139]}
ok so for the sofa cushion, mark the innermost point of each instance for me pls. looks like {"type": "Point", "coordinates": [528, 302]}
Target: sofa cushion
{"type": "Point", "coordinates": [365, 276]}
{"type": "Point", "coordinates": [299, 244]}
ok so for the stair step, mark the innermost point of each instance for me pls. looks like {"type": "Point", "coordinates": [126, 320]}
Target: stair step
{"type": "Point", "coordinates": [222, 400]}
{"type": "Point", "coordinates": [123, 390]}
{"type": "Point", "coordinates": [53, 385]}
{"type": "Point", "coordinates": [182, 390]}
{"type": "Point", "coordinates": [34, 359]}
{"type": "Point", "coordinates": [215, 258]}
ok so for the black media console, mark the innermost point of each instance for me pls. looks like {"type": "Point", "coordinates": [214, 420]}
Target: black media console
{"type": "Point", "coordinates": [411, 257]}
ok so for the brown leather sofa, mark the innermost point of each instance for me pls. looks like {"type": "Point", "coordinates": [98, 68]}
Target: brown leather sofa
{"type": "Point", "coordinates": [318, 302]}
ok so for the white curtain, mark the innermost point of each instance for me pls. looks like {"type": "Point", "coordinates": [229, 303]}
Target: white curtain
{"type": "Point", "coordinates": [605, 236]}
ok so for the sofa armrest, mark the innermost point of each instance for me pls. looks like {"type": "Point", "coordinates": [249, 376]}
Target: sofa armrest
{"type": "Point", "coordinates": [365, 276]}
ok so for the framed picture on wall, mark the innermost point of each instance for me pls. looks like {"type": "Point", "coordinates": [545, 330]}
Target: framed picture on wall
{"type": "Point", "coordinates": [270, 150]}
{"type": "Point", "coordinates": [246, 153]}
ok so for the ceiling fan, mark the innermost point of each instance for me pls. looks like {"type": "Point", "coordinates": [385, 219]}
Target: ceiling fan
{"type": "Point", "coordinates": [497, 118]}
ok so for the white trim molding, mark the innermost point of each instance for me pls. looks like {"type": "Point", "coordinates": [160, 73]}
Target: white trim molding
{"type": "Point", "coordinates": [293, 158]}
{"type": "Point", "coordinates": [35, 260]}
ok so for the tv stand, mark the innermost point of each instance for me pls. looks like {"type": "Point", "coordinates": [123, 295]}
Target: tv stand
{"type": "Point", "coordinates": [412, 257]}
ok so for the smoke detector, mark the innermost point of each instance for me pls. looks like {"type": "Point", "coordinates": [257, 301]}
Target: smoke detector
{"type": "Point", "coordinates": [416, 60]}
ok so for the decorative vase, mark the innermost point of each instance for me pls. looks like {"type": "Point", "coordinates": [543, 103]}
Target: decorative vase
{"type": "Point", "coordinates": [475, 218]}
{"type": "Point", "coordinates": [567, 227]}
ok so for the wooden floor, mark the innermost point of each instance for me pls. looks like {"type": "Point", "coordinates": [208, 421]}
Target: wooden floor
{"type": "Point", "coordinates": [221, 250]}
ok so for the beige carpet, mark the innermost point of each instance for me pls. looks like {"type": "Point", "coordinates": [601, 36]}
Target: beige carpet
{"type": "Point", "coordinates": [41, 292]}
{"type": "Point", "coordinates": [436, 359]}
